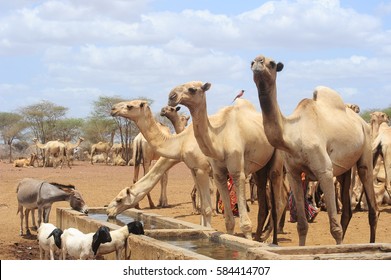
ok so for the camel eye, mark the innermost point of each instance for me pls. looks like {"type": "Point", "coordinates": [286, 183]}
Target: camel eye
{"type": "Point", "coordinates": [129, 107]}
{"type": "Point", "coordinates": [118, 200]}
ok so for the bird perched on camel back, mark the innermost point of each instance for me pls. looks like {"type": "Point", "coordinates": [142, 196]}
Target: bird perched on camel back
{"type": "Point", "coordinates": [240, 94]}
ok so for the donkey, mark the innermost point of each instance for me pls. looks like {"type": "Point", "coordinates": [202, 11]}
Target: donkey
{"type": "Point", "coordinates": [37, 194]}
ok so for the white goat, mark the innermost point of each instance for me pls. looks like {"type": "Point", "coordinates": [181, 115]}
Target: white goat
{"type": "Point", "coordinates": [119, 238]}
{"type": "Point", "coordinates": [81, 245]}
{"type": "Point", "coordinates": [49, 240]}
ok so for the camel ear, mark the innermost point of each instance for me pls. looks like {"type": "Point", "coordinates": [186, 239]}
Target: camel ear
{"type": "Point", "coordinates": [177, 108]}
{"type": "Point", "coordinates": [280, 66]}
{"type": "Point", "coordinates": [128, 191]}
{"type": "Point", "coordinates": [142, 104]}
{"type": "Point", "coordinates": [206, 86]}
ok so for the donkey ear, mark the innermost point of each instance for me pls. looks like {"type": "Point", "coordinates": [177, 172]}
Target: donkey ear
{"type": "Point", "coordinates": [206, 86]}
{"type": "Point", "coordinates": [280, 66]}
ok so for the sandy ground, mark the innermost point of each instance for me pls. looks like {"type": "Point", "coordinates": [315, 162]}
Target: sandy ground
{"type": "Point", "coordinates": [99, 184]}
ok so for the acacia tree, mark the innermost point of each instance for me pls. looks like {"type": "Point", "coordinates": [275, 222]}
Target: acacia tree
{"type": "Point", "coordinates": [42, 118]}
{"type": "Point", "coordinates": [11, 128]}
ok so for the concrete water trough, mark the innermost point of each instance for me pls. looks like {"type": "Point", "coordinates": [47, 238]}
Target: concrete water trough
{"type": "Point", "coordinates": [172, 239]}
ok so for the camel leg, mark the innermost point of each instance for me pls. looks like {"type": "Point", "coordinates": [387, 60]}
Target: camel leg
{"type": "Point", "coordinates": [201, 178]}
{"type": "Point", "coordinates": [239, 179]}
{"type": "Point", "coordinates": [345, 182]}
{"type": "Point", "coordinates": [365, 172]}
{"type": "Point", "coordinates": [260, 178]}
{"type": "Point", "coordinates": [325, 179]}
{"type": "Point", "coordinates": [193, 196]}
{"type": "Point", "coordinates": [278, 196]}
{"type": "Point", "coordinates": [163, 191]}
{"type": "Point", "coordinates": [220, 179]}
{"type": "Point", "coordinates": [297, 191]}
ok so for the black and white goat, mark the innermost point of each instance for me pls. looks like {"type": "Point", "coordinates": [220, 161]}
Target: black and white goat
{"type": "Point", "coordinates": [119, 238]}
{"type": "Point", "coordinates": [49, 240]}
{"type": "Point", "coordinates": [81, 245]}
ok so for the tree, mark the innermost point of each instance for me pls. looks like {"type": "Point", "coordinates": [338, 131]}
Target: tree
{"type": "Point", "coordinates": [43, 118]}
{"type": "Point", "coordinates": [11, 127]}
{"type": "Point", "coordinates": [69, 129]}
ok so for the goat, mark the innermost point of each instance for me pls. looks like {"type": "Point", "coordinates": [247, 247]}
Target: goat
{"type": "Point", "coordinates": [49, 240]}
{"type": "Point", "coordinates": [119, 238]}
{"type": "Point", "coordinates": [81, 245]}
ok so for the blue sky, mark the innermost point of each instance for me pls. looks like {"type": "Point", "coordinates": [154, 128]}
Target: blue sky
{"type": "Point", "coordinates": [71, 52]}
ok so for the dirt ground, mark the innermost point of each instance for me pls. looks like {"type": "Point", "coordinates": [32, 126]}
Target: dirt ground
{"type": "Point", "coordinates": [99, 184]}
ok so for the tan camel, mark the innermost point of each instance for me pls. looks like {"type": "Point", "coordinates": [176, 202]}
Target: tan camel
{"type": "Point", "coordinates": [70, 148]}
{"type": "Point", "coordinates": [101, 148]}
{"type": "Point", "coordinates": [26, 162]}
{"type": "Point", "coordinates": [377, 118]}
{"type": "Point", "coordinates": [54, 149]}
{"type": "Point", "coordinates": [343, 140]}
{"type": "Point", "coordinates": [178, 121]}
{"type": "Point", "coordinates": [145, 154]}
{"type": "Point", "coordinates": [179, 147]}
{"type": "Point", "coordinates": [381, 146]}
{"type": "Point", "coordinates": [234, 141]}
{"type": "Point", "coordinates": [354, 107]}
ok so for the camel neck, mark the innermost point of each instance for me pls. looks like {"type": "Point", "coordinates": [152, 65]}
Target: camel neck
{"type": "Point", "coordinates": [273, 120]}
{"type": "Point", "coordinates": [165, 145]}
{"type": "Point", "coordinates": [203, 131]}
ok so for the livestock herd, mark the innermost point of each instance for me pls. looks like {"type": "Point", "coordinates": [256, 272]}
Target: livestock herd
{"type": "Point", "coordinates": [239, 141]}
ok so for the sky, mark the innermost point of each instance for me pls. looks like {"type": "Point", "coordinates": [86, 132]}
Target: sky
{"type": "Point", "coordinates": [73, 51]}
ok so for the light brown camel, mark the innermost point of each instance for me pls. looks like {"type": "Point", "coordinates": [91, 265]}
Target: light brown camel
{"type": "Point", "coordinates": [70, 147]}
{"type": "Point", "coordinates": [26, 162]}
{"type": "Point", "coordinates": [342, 140]}
{"type": "Point", "coordinates": [101, 148]}
{"type": "Point", "coordinates": [236, 144]}
{"type": "Point", "coordinates": [377, 118]}
{"type": "Point", "coordinates": [144, 154]}
{"type": "Point", "coordinates": [179, 147]}
{"type": "Point", "coordinates": [54, 149]}
{"type": "Point", "coordinates": [381, 146]}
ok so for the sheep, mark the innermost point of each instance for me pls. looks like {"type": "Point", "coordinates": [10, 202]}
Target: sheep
{"type": "Point", "coordinates": [81, 245]}
{"type": "Point", "coordinates": [49, 240]}
{"type": "Point", "coordinates": [119, 238]}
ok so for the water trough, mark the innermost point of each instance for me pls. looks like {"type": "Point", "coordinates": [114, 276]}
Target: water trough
{"type": "Point", "coordinates": [173, 239]}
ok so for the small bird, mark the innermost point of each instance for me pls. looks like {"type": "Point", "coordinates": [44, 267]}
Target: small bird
{"type": "Point", "coordinates": [240, 94]}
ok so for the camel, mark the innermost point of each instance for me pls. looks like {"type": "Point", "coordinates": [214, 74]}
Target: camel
{"type": "Point", "coordinates": [55, 149]}
{"type": "Point", "coordinates": [178, 121]}
{"type": "Point", "coordinates": [179, 147]}
{"type": "Point", "coordinates": [343, 140]}
{"type": "Point", "coordinates": [381, 146]}
{"type": "Point", "coordinates": [101, 148]}
{"type": "Point", "coordinates": [26, 162]}
{"type": "Point", "coordinates": [377, 118]}
{"type": "Point", "coordinates": [234, 141]}
{"type": "Point", "coordinates": [70, 147]}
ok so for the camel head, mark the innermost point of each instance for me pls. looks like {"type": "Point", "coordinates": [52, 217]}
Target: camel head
{"type": "Point", "coordinates": [132, 110]}
{"type": "Point", "coordinates": [265, 72]}
{"type": "Point", "coordinates": [353, 107]}
{"type": "Point", "coordinates": [124, 200]}
{"type": "Point", "coordinates": [167, 111]}
{"type": "Point", "coordinates": [189, 94]}
{"type": "Point", "coordinates": [379, 117]}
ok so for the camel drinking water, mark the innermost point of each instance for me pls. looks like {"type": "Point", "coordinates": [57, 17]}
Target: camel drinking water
{"type": "Point", "coordinates": [37, 194]}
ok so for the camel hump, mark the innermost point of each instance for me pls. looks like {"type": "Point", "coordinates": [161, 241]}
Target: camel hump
{"type": "Point", "coordinates": [244, 103]}
{"type": "Point", "coordinates": [329, 97]}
